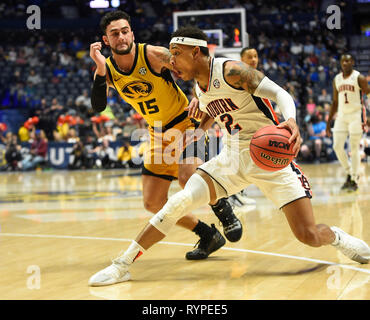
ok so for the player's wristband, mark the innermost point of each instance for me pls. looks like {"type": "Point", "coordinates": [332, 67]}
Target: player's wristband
{"type": "Point", "coordinates": [99, 93]}
{"type": "Point", "coordinates": [269, 89]}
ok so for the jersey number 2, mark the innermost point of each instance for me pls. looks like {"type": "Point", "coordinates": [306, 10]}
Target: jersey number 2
{"type": "Point", "coordinates": [228, 119]}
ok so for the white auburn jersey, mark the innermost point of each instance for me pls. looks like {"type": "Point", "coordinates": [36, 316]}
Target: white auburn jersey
{"type": "Point", "coordinates": [349, 93]}
{"type": "Point", "coordinates": [238, 112]}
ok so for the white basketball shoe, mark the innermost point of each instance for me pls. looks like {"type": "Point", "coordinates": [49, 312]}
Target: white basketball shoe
{"type": "Point", "coordinates": [117, 272]}
{"type": "Point", "coordinates": [354, 248]}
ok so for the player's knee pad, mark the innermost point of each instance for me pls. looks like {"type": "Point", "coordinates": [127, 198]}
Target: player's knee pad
{"type": "Point", "coordinates": [194, 195]}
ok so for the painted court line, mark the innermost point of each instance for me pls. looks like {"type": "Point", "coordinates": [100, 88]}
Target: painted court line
{"type": "Point", "coordinates": [187, 245]}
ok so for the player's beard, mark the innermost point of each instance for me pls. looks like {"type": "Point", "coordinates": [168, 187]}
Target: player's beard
{"type": "Point", "coordinates": [123, 52]}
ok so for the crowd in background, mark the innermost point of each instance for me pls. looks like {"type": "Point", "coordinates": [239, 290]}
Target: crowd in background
{"type": "Point", "coordinates": [48, 75]}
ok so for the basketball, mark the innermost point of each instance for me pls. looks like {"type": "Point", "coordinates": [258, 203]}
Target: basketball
{"type": "Point", "coordinates": [270, 149]}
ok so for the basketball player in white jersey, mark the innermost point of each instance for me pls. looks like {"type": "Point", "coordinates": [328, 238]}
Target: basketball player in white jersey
{"type": "Point", "coordinates": [348, 87]}
{"type": "Point", "coordinates": [230, 93]}
{"type": "Point", "coordinates": [249, 56]}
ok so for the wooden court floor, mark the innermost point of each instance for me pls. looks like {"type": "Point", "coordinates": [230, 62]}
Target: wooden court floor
{"type": "Point", "coordinates": [57, 228]}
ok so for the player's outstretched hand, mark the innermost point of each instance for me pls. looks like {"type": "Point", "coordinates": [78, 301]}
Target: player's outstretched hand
{"type": "Point", "coordinates": [193, 109]}
{"type": "Point", "coordinates": [98, 58]}
{"type": "Point", "coordinates": [292, 126]}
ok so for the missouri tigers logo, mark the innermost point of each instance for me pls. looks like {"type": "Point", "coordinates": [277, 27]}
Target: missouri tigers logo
{"type": "Point", "coordinates": [137, 89]}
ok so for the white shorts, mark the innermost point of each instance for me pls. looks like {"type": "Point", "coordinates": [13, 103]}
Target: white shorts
{"type": "Point", "coordinates": [350, 123]}
{"type": "Point", "coordinates": [234, 171]}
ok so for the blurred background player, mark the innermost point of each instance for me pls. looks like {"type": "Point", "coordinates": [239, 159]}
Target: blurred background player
{"type": "Point", "coordinates": [348, 87]}
{"type": "Point", "coordinates": [142, 74]}
{"type": "Point", "coordinates": [250, 57]}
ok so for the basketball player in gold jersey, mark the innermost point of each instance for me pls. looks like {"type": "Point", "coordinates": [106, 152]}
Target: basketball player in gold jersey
{"type": "Point", "coordinates": [141, 75]}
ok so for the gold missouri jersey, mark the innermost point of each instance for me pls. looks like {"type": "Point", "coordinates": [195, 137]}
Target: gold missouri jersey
{"type": "Point", "coordinates": [155, 96]}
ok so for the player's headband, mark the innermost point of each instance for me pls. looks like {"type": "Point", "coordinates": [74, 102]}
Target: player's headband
{"type": "Point", "coordinates": [189, 41]}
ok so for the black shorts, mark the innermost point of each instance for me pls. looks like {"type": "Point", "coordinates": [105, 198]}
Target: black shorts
{"type": "Point", "coordinates": [197, 149]}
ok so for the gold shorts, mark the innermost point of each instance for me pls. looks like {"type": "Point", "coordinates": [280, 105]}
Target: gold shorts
{"type": "Point", "coordinates": [163, 156]}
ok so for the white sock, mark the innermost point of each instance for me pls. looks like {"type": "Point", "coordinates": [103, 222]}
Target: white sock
{"type": "Point", "coordinates": [133, 252]}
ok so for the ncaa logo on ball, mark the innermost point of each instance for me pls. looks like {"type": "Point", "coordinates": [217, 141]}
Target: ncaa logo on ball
{"type": "Point", "coordinates": [279, 144]}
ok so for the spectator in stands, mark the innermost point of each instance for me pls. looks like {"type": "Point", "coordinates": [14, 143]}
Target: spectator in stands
{"type": "Point", "coordinates": [108, 128]}
{"type": "Point", "coordinates": [72, 136]}
{"type": "Point", "coordinates": [60, 71]}
{"type": "Point", "coordinates": [311, 149]}
{"type": "Point", "coordinates": [12, 54]}
{"type": "Point", "coordinates": [111, 98]}
{"type": "Point", "coordinates": [129, 125]}
{"type": "Point", "coordinates": [322, 76]}
{"type": "Point", "coordinates": [30, 91]}
{"type": "Point", "coordinates": [128, 157]}
{"type": "Point", "coordinates": [90, 145]}
{"type": "Point", "coordinates": [105, 154]}
{"type": "Point", "coordinates": [296, 48]}
{"type": "Point", "coordinates": [270, 66]}
{"type": "Point", "coordinates": [65, 59]}
{"type": "Point", "coordinates": [47, 123]}
{"type": "Point", "coordinates": [324, 97]}
{"type": "Point", "coordinates": [56, 109]}
{"type": "Point", "coordinates": [33, 77]}
{"type": "Point", "coordinates": [13, 154]}
{"type": "Point", "coordinates": [310, 108]}
{"type": "Point", "coordinates": [308, 47]}
{"type": "Point", "coordinates": [75, 45]}
{"type": "Point", "coordinates": [80, 157]}
{"type": "Point", "coordinates": [83, 103]}
{"type": "Point", "coordinates": [38, 152]}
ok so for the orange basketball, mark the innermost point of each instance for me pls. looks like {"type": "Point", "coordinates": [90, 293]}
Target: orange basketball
{"type": "Point", "coordinates": [269, 148]}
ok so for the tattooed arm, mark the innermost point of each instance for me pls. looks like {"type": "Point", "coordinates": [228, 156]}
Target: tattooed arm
{"type": "Point", "coordinates": [241, 76]}
{"type": "Point", "coordinates": [158, 57]}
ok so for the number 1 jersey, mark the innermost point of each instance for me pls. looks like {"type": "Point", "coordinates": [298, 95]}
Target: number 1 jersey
{"type": "Point", "coordinates": [349, 93]}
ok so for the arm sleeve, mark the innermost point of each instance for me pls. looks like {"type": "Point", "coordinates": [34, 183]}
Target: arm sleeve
{"type": "Point", "coordinates": [99, 93]}
{"type": "Point", "coordinates": [269, 89]}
